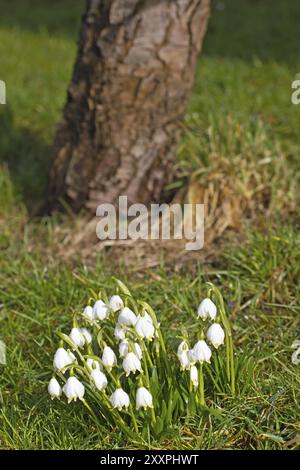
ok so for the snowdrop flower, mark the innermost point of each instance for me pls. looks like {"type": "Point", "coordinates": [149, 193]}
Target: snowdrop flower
{"type": "Point", "coordinates": [215, 334]}
{"type": "Point", "coordinates": [73, 389]}
{"type": "Point", "coordinates": [116, 303]}
{"type": "Point", "coordinates": [54, 389]}
{"type": "Point", "coordinates": [194, 376]}
{"type": "Point", "coordinates": [109, 358]}
{"type": "Point", "coordinates": [119, 332]}
{"type": "Point", "coordinates": [99, 379]}
{"type": "Point", "coordinates": [127, 317]}
{"type": "Point", "coordinates": [100, 310]}
{"type": "Point", "coordinates": [201, 352]}
{"type": "Point", "coordinates": [295, 358]}
{"type": "Point", "coordinates": [62, 358]}
{"type": "Point", "coordinates": [143, 398]}
{"type": "Point", "coordinates": [88, 313]}
{"type": "Point", "coordinates": [119, 399]}
{"type": "Point", "coordinates": [207, 309]}
{"type": "Point", "coordinates": [123, 349]}
{"type": "Point", "coordinates": [184, 355]}
{"type": "Point", "coordinates": [86, 334]}
{"type": "Point", "coordinates": [144, 327]}
{"type": "Point", "coordinates": [131, 363]}
{"type": "Point", "coordinates": [93, 364]}
{"type": "Point", "coordinates": [77, 337]}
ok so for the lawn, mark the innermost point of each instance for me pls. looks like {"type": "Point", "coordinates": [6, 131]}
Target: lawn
{"type": "Point", "coordinates": [240, 122]}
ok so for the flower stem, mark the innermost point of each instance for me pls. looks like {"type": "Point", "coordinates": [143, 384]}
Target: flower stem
{"type": "Point", "coordinates": [201, 385]}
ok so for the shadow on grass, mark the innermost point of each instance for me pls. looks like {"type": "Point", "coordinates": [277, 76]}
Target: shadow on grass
{"type": "Point", "coordinates": [27, 157]}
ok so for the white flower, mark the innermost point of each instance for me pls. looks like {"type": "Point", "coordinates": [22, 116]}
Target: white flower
{"type": "Point", "coordinates": [109, 358]}
{"type": "Point", "coordinates": [144, 327]}
{"type": "Point", "coordinates": [93, 364]}
{"type": "Point", "coordinates": [131, 363]}
{"type": "Point", "coordinates": [184, 359]}
{"type": "Point", "coordinates": [73, 389]}
{"type": "Point", "coordinates": [62, 358]}
{"type": "Point", "coordinates": [77, 337]}
{"type": "Point", "coordinates": [88, 312]}
{"type": "Point", "coordinates": [54, 388]}
{"type": "Point", "coordinates": [119, 332]}
{"type": "Point", "coordinates": [127, 317]}
{"type": "Point", "coordinates": [86, 334]}
{"type": "Point", "coordinates": [99, 379]}
{"type": "Point", "coordinates": [119, 399]}
{"type": "Point", "coordinates": [100, 310]}
{"type": "Point", "coordinates": [182, 347]}
{"type": "Point", "coordinates": [295, 355]}
{"type": "Point", "coordinates": [143, 398]}
{"type": "Point", "coordinates": [207, 309]}
{"type": "Point", "coordinates": [201, 352]}
{"type": "Point", "coordinates": [194, 376]}
{"type": "Point", "coordinates": [215, 334]}
{"type": "Point", "coordinates": [123, 349]}
{"type": "Point", "coordinates": [116, 303]}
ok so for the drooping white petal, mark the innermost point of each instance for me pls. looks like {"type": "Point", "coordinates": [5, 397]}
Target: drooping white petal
{"type": "Point", "coordinates": [144, 328]}
{"type": "Point", "coordinates": [119, 399]}
{"type": "Point", "coordinates": [194, 376]}
{"type": "Point", "coordinates": [62, 358]}
{"type": "Point", "coordinates": [54, 388]}
{"type": "Point", "coordinates": [143, 398]}
{"type": "Point", "coordinates": [131, 363]}
{"type": "Point", "coordinates": [88, 313]}
{"type": "Point", "coordinates": [119, 332]}
{"type": "Point", "coordinates": [100, 310]}
{"type": "Point", "coordinates": [215, 334]}
{"type": "Point", "coordinates": [87, 335]}
{"type": "Point", "coordinates": [73, 389]}
{"type": "Point", "coordinates": [127, 317]}
{"type": "Point", "coordinates": [93, 364]}
{"type": "Point", "coordinates": [77, 337]}
{"type": "Point", "coordinates": [116, 303]}
{"type": "Point", "coordinates": [99, 379]}
{"type": "Point", "coordinates": [109, 358]}
{"type": "Point", "coordinates": [124, 347]}
{"type": "Point", "coordinates": [201, 352]}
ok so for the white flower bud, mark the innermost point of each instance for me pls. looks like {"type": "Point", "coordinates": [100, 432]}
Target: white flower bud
{"type": "Point", "coordinates": [119, 331]}
{"type": "Point", "coordinates": [119, 399]}
{"type": "Point", "coordinates": [100, 310]}
{"type": "Point", "coordinates": [54, 389]}
{"type": "Point", "coordinates": [131, 363]}
{"type": "Point", "coordinates": [207, 309]}
{"type": "Point", "coordinates": [109, 358]}
{"type": "Point", "coordinates": [73, 389]}
{"type": "Point", "coordinates": [88, 313]}
{"type": "Point", "coordinates": [215, 334]}
{"type": "Point", "coordinates": [93, 364]}
{"type": "Point", "coordinates": [201, 352]}
{"type": "Point", "coordinates": [62, 358]}
{"type": "Point", "coordinates": [77, 337]}
{"type": "Point", "coordinates": [144, 327]}
{"type": "Point", "coordinates": [194, 376]}
{"type": "Point", "coordinates": [143, 398]}
{"type": "Point", "coordinates": [123, 349]}
{"type": "Point", "coordinates": [87, 335]}
{"type": "Point", "coordinates": [116, 303]}
{"type": "Point", "coordinates": [99, 379]}
{"type": "Point", "coordinates": [127, 317]}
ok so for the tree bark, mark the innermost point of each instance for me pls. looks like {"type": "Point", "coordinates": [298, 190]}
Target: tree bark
{"type": "Point", "coordinates": [133, 75]}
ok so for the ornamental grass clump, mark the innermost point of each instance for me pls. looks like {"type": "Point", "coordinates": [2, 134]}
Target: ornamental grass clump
{"type": "Point", "coordinates": [115, 361]}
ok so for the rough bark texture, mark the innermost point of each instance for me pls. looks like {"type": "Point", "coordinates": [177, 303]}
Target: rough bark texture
{"type": "Point", "coordinates": [133, 75]}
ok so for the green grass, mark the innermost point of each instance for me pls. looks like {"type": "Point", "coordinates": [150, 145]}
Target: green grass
{"type": "Point", "coordinates": [240, 112]}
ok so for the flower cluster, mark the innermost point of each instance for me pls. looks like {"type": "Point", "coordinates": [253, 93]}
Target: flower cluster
{"type": "Point", "coordinates": [115, 357]}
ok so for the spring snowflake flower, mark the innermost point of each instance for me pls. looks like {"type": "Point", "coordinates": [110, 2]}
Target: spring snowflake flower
{"type": "Point", "coordinates": [184, 355]}
{"type": "Point", "coordinates": [144, 327]}
{"type": "Point", "coordinates": [54, 388]}
{"type": "Point", "coordinates": [201, 352]}
{"type": "Point", "coordinates": [99, 379]}
{"type": "Point", "coordinates": [215, 334]}
{"type": "Point", "coordinates": [295, 355]}
{"type": "Point", "coordinates": [116, 303]}
{"type": "Point", "coordinates": [119, 332]}
{"type": "Point", "coordinates": [194, 376]}
{"type": "Point", "coordinates": [87, 335]}
{"type": "Point", "coordinates": [62, 358]}
{"type": "Point", "coordinates": [119, 399]}
{"type": "Point", "coordinates": [77, 337]}
{"type": "Point", "coordinates": [109, 358]}
{"type": "Point", "coordinates": [88, 313]}
{"type": "Point", "coordinates": [207, 309]}
{"type": "Point", "coordinates": [124, 347]}
{"type": "Point", "coordinates": [143, 398]}
{"type": "Point", "coordinates": [93, 364]}
{"type": "Point", "coordinates": [100, 310]}
{"type": "Point", "coordinates": [73, 389]}
{"type": "Point", "coordinates": [127, 317]}
{"type": "Point", "coordinates": [131, 363]}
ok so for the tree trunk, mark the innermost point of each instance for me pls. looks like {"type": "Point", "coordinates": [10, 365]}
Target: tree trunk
{"type": "Point", "coordinates": [133, 75]}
